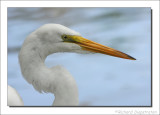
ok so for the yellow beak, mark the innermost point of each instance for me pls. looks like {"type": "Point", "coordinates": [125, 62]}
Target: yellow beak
{"type": "Point", "coordinates": [96, 47]}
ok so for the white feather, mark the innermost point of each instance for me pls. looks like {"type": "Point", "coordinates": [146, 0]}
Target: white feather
{"type": "Point", "coordinates": [14, 98]}
{"type": "Point", "coordinates": [57, 80]}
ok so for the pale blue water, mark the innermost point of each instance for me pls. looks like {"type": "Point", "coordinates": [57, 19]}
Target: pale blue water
{"type": "Point", "coordinates": [102, 80]}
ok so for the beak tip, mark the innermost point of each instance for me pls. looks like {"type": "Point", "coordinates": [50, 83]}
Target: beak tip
{"type": "Point", "coordinates": [131, 58]}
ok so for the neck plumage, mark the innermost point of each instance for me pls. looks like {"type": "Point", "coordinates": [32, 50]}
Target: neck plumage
{"type": "Point", "coordinates": [55, 80]}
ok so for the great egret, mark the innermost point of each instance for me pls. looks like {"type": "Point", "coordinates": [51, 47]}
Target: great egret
{"type": "Point", "coordinates": [52, 38]}
{"type": "Point", "coordinates": [13, 98]}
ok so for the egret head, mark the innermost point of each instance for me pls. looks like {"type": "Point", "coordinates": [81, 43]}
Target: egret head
{"type": "Point", "coordinates": [62, 39]}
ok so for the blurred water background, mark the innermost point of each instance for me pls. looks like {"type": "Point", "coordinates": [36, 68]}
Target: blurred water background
{"type": "Point", "coordinates": [102, 80]}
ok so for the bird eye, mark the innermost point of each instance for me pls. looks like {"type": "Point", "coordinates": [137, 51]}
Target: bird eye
{"type": "Point", "coordinates": [65, 37]}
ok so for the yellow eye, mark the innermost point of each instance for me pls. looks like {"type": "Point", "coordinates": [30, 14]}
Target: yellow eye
{"type": "Point", "coordinates": [67, 38]}
{"type": "Point", "coordinates": [64, 37]}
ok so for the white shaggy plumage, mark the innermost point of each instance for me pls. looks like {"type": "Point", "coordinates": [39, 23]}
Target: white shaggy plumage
{"type": "Point", "coordinates": [57, 80]}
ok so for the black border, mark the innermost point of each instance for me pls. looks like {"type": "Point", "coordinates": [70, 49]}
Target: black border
{"type": "Point", "coordinates": [88, 106]}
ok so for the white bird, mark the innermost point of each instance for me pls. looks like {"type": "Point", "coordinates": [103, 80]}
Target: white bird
{"type": "Point", "coordinates": [13, 98]}
{"type": "Point", "coordinates": [49, 39]}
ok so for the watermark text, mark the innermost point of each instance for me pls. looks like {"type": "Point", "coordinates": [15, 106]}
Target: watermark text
{"type": "Point", "coordinates": [136, 112]}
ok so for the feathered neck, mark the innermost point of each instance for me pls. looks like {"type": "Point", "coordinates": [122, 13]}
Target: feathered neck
{"type": "Point", "coordinates": [56, 80]}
